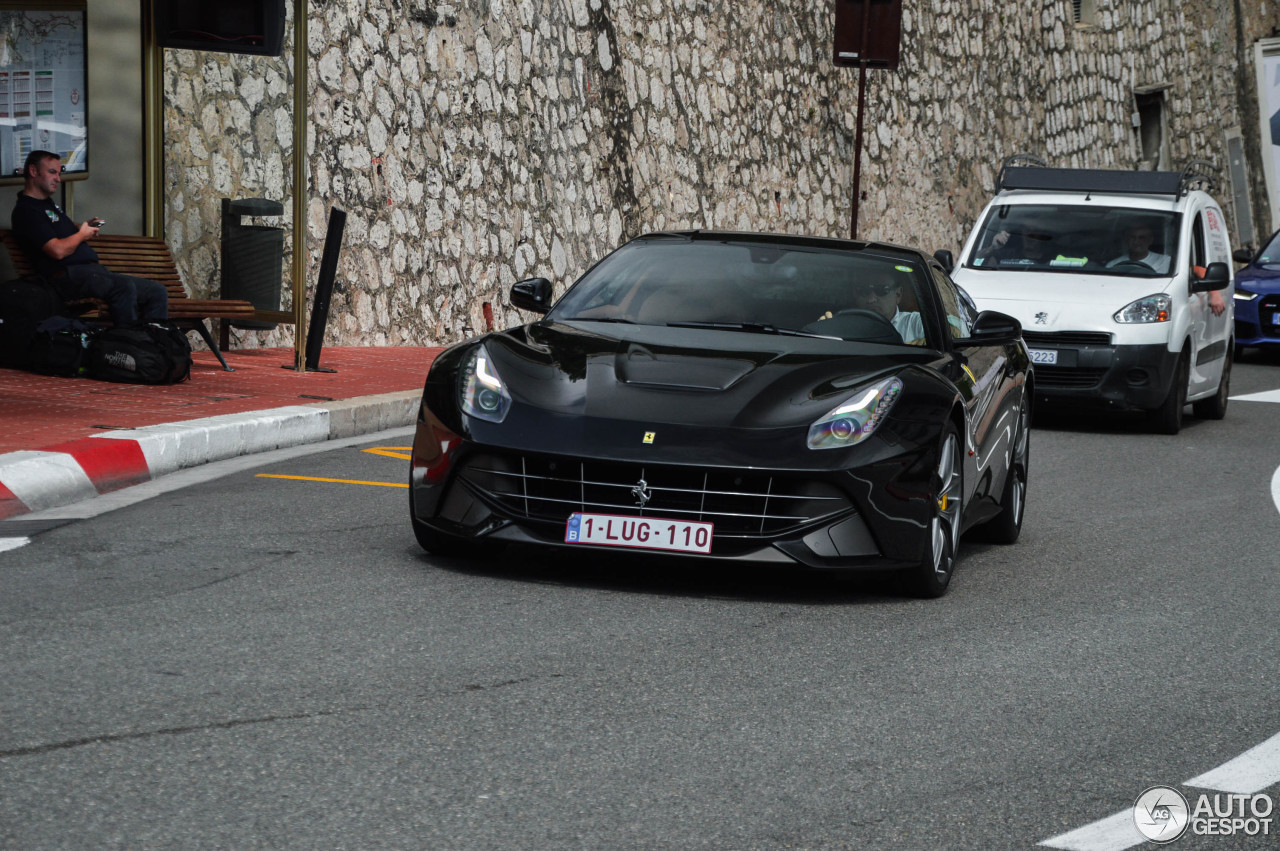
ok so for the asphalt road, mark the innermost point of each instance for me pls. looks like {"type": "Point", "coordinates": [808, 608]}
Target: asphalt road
{"type": "Point", "coordinates": [255, 662]}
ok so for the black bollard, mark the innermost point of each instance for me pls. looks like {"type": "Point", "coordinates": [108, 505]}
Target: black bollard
{"type": "Point", "coordinates": [324, 289]}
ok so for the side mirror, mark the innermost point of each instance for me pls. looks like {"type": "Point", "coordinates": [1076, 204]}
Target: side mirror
{"type": "Point", "coordinates": [533, 295]}
{"type": "Point", "coordinates": [993, 329]}
{"type": "Point", "coordinates": [1242, 255]}
{"type": "Point", "coordinates": [946, 258]}
{"type": "Point", "coordinates": [1216, 277]}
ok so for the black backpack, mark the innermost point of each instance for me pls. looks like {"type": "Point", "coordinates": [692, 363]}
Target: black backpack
{"type": "Point", "coordinates": [24, 304]}
{"type": "Point", "coordinates": [148, 353]}
{"type": "Point", "coordinates": [61, 346]}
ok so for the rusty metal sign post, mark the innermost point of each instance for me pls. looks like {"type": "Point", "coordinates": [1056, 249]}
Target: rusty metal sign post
{"type": "Point", "coordinates": [868, 34]}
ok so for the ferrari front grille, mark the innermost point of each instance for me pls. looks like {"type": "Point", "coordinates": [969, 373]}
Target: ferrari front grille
{"type": "Point", "coordinates": [740, 504]}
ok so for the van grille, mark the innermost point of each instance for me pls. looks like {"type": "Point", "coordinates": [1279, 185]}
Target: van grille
{"type": "Point", "coordinates": [1064, 378]}
{"type": "Point", "coordinates": [1037, 340]}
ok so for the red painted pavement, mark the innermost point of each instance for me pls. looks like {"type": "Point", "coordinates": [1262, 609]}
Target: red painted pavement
{"type": "Point", "coordinates": [10, 505]}
{"type": "Point", "coordinates": [109, 464]}
{"type": "Point", "coordinates": [40, 412]}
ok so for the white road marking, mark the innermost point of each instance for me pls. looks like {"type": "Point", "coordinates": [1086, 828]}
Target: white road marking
{"type": "Point", "coordinates": [1252, 771]}
{"type": "Point", "coordinates": [1264, 396]}
{"type": "Point", "coordinates": [1275, 488]}
{"type": "Point", "coordinates": [13, 543]}
{"type": "Point", "coordinates": [1113, 833]}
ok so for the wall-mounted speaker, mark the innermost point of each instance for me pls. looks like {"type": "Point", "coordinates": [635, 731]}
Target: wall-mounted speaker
{"type": "Point", "coordinates": [225, 26]}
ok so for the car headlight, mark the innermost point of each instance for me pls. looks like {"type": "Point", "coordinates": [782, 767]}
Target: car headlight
{"type": "Point", "coordinates": [1244, 295]}
{"type": "Point", "coordinates": [482, 393]}
{"type": "Point", "coordinates": [1152, 308]}
{"type": "Point", "coordinates": [858, 416]}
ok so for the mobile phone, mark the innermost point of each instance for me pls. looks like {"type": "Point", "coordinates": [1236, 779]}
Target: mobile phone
{"type": "Point", "coordinates": [97, 223]}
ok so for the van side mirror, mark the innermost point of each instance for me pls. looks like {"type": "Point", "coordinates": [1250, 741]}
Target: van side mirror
{"type": "Point", "coordinates": [946, 259]}
{"type": "Point", "coordinates": [1216, 277]}
{"type": "Point", "coordinates": [533, 295]}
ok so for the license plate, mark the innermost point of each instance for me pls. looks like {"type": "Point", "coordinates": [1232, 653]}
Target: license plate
{"type": "Point", "coordinates": [650, 533]}
{"type": "Point", "coordinates": [1046, 356]}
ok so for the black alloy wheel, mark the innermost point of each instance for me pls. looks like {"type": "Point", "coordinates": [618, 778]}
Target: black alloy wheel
{"type": "Point", "coordinates": [931, 578]}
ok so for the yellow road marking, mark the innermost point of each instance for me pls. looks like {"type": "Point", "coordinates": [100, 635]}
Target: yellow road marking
{"type": "Point", "coordinates": [391, 451]}
{"type": "Point", "coordinates": [337, 481]}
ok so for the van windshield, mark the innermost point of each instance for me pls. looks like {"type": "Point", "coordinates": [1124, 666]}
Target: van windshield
{"type": "Point", "coordinates": [1077, 239]}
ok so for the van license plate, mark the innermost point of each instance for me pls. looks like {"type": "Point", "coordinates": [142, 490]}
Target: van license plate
{"type": "Point", "coordinates": [650, 533]}
{"type": "Point", "coordinates": [1045, 356]}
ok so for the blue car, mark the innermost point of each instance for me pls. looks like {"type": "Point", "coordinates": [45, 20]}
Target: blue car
{"type": "Point", "coordinates": [1258, 296]}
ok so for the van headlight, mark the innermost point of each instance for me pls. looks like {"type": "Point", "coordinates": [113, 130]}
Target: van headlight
{"type": "Point", "coordinates": [857, 417]}
{"type": "Point", "coordinates": [1152, 308]}
{"type": "Point", "coordinates": [482, 393]}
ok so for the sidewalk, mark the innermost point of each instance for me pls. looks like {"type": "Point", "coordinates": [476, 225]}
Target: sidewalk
{"type": "Point", "coordinates": [63, 440]}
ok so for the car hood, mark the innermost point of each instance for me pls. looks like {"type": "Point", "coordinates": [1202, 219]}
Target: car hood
{"type": "Point", "coordinates": [691, 377]}
{"type": "Point", "coordinates": [1259, 279]}
{"type": "Point", "coordinates": [1051, 301]}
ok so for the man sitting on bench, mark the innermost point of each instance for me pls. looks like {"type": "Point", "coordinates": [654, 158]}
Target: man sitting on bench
{"type": "Point", "coordinates": [60, 250]}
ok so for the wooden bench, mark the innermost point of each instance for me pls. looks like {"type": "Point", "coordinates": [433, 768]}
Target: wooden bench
{"type": "Point", "coordinates": [146, 257]}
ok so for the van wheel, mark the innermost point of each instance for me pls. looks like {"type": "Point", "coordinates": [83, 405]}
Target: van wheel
{"type": "Point", "coordinates": [1215, 407]}
{"type": "Point", "coordinates": [1167, 419]}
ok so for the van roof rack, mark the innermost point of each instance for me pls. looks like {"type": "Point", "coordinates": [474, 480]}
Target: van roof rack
{"type": "Point", "coordinates": [1197, 174]}
{"type": "Point", "coordinates": [1018, 160]}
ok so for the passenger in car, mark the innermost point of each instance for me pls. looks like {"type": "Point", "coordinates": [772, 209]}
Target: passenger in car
{"type": "Point", "coordinates": [1138, 239]}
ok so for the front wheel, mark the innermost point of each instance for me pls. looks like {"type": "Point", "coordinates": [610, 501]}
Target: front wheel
{"type": "Point", "coordinates": [1167, 419]}
{"type": "Point", "coordinates": [931, 578]}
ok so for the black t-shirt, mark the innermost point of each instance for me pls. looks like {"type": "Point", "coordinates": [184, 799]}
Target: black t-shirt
{"type": "Point", "coordinates": [35, 222]}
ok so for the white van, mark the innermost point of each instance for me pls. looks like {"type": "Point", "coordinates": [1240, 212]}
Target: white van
{"type": "Point", "coordinates": [1122, 281]}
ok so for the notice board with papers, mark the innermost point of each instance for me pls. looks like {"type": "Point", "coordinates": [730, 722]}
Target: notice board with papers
{"type": "Point", "coordinates": [43, 86]}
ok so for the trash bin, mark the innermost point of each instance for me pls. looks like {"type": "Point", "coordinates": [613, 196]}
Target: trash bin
{"type": "Point", "coordinates": [252, 257]}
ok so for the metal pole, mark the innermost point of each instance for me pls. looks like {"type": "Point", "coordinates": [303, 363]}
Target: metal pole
{"type": "Point", "coordinates": [857, 149]}
{"type": "Point", "coordinates": [299, 184]}
{"type": "Point", "coordinates": [857, 142]}
{"type": "Point", "coordinates": [152, 124]}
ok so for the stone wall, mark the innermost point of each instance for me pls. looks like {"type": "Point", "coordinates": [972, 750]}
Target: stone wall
{"type": "Point", "coordinates": [477, 143]}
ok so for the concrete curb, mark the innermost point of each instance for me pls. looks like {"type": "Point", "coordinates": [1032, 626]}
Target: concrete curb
{"type": "Point", "coordinates": [82, 469]}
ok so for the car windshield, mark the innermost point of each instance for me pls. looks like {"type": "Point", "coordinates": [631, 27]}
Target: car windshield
{"type": "Point", "coordinates": [758, 287]}
{"type": "Point", "coordinates": [1077, 239]}
{"type": "Point", "coordinates": [1269, 256]}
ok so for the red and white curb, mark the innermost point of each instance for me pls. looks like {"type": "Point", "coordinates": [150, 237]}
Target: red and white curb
{"type": "Point", "coordinates": [82, 469]}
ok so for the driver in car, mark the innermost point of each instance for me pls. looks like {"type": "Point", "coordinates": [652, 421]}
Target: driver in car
{"type": "Point", "coordinates": [1027, 248]}
{"type": "Point", "coordinates": [881, 293]}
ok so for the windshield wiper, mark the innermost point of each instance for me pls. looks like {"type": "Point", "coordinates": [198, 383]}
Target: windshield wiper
{"type": "Point", "coordinates": [751, 327]}
{"type": "Point", "coordinates": [615, 319]}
